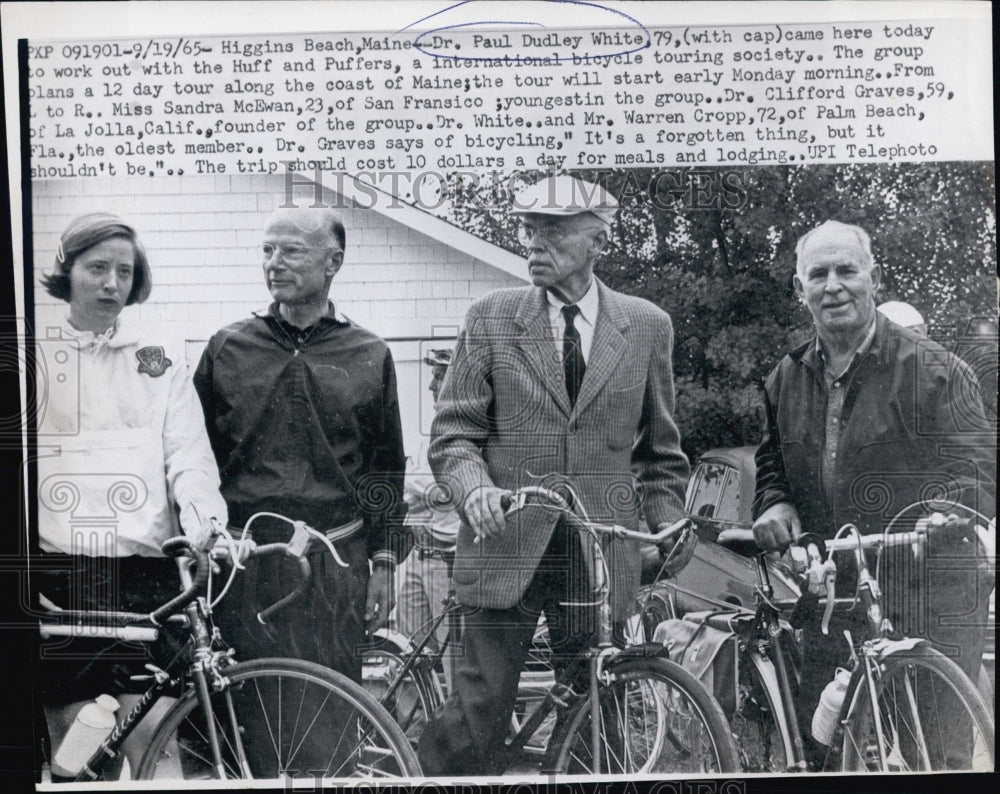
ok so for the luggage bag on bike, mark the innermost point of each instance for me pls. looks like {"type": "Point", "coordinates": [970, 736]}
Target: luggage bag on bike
{"type": "Point", "coordinates": [705, 646]}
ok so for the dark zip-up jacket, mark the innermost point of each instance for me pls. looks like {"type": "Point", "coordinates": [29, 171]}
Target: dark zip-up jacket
{"type": "Point", "coordinates": [912, 427]}
{"type": "Point", "coordinates": [306, 423]}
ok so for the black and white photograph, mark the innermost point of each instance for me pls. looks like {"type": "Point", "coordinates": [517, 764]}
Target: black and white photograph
{"type": "Point", "coordinates": [491, 394]}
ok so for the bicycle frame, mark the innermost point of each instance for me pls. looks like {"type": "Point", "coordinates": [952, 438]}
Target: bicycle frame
{"type": "Point", "coordinates": [417, 652]}
{"type": "Point", "coordinates": [602, 650]}
{"type": "Point", "coordinates": [767, 631]}
{"type": "Point", "coordinates": [192, 620]}
{"type": "Point", "coordinates": [868, 654]}
{"type": "Point", "coordinates": [204, 668]}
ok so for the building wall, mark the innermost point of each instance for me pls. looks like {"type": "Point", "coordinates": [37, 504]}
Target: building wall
{"type": "Point", "coordinates": [202, 235]}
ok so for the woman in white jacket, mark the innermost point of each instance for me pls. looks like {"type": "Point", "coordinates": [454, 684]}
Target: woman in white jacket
{"type": "Point", "coordinates": [124, 461]}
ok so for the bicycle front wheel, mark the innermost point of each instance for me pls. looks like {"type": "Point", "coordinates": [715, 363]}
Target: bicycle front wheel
{"type": "Point", "coordinates": [654, 718]}
{"type": "Point", "coordinates": [928, 716]}
{"type": "Point", "coordinates": [280, 718]}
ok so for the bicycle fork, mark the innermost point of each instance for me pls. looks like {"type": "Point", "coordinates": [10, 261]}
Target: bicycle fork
{"type": "Point", "coordinates": [204, 661]}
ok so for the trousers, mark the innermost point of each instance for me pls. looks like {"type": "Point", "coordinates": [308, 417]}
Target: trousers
{"type": "Point", "coordinates": [466, 735]}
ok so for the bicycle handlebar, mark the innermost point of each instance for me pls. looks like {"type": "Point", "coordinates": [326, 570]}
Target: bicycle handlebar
{"type": "Point", "coordinates": [181, 546]}
{"type": "Point", "coordinates": [743, 535]}
{"type": "Point", "coordinates": [521, 497]}
{"type": "Point", "coordinates": [815, 561]}
{"type": "Point", "coordinates": [176, 547]}
{"type": "Point", "coordinates": [305, 571]}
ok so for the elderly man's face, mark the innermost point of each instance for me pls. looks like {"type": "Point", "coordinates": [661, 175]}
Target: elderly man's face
{"type": "Point", "coordinates": [561, 251]}
{"type": "Point", "coordinates": [838, 287]}
{"type": "Point", "coordinates": [300, 258]}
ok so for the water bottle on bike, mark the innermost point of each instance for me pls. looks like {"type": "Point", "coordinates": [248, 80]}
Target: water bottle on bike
{"type": "Point", "coordinates": [93, 724]}
{"type": "Point", "coordinates": [824, 721]}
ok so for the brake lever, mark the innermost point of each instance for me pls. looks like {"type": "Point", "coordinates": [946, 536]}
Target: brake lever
{"type": "Point", "coordinates": [299, 541]}
{"type": "Point", "coordinates": [821, 578]}
{"type": "Point", "coordinates": [831, 596]}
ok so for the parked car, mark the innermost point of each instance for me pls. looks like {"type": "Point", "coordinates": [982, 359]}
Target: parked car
{"type": "Point", "coordinates": [721, 487]}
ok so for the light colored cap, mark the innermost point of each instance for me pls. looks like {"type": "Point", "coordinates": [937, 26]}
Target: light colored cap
{"type": "Point", "coordinates": [565, 196]}
{"type": "Point", "coordinates": [902, 314]}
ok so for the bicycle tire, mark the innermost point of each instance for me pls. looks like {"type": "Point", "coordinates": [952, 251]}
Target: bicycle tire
{"type": "Point", "coordinates": [913, 691]}
{"type": "Point", "coordinates": [640, 692]}
{"type": "Point", "coordinates": [762, 736]}
{"type": "Point", "coordinates": [294, 718]}
{"type": "Point", "coordinates": [415, 699]}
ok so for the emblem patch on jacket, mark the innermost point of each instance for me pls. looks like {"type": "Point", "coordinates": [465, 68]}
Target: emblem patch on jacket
{"type": "Point", "coordinates": [153, 360]}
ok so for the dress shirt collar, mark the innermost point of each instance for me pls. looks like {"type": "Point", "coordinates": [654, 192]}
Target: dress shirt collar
{"type": "Point", "coordinates": [587, 304]}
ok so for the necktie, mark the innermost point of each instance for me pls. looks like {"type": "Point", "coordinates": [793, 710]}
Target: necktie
{"type": "Point", "coordinates": [573, 364]}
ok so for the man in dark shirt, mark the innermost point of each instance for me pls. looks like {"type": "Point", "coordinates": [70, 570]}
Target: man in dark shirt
{"type": "Point", "coordinates": [864, 422]}
{"type": "Point", "coordinates": [303, 417]}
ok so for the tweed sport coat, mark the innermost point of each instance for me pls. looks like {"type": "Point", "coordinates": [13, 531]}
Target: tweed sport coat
{"type": "Point", "coordinates": [504, 419]}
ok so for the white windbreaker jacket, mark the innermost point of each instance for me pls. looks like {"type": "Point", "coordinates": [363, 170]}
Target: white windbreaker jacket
{"type": "Point", "coordinates": [122, 447]}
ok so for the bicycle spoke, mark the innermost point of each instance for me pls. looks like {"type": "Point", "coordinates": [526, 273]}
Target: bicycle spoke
{"type": "Point", "coordinates": [918, 729]}
{"type": "Point", "coordinates": [295, 748]}
{"type": "Point", "coordinates": [927, 716]}
{"type": "Point", "coordinates": [647, 725]}
{"type": "Point", "coordinates": [275, 743]}
{"type": "Point", "coordinates": [934, 711]}
{"type": "Point", "coordinates": [191, 749]}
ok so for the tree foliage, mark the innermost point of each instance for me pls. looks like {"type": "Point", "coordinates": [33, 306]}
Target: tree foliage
{"type": "Point", "coordinates": [724, 273]}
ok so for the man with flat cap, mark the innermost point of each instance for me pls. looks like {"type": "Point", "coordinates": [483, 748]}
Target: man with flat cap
{"type": "Point", "coordinates": [303, 416]}
{"type": "Point", "coordinates": [564, 381]}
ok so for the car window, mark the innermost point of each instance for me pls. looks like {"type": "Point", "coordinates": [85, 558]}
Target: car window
{"type": "Point", "coordinates": [728, 505]}
{"type": "Point", "coordinates": [706, 488]}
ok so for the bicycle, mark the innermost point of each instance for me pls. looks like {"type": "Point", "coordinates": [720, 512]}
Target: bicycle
{"type": "Point", "coordinates": [898, 686]}
{"type": "Point", "coordinates": [766, 668]}
{"type": "Point", "coordinates": [408, 676]}
{"type": "Point", "coordinates": [641, 713]}
{"type": "Point", "coordinates": [262, 719]}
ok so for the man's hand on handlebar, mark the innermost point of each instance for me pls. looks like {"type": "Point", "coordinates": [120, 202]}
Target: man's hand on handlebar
{"type": "Point", "coordinates": [777, 527]}
{"type": "Point", "coordinates": [484, 511]}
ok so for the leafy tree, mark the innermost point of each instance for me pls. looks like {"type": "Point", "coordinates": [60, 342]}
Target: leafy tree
{"type": "Point", "coordinates": [716, 249]}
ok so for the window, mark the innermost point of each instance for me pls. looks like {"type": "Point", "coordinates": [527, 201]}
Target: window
{"type": "Point", "coordinates": [714, 492]}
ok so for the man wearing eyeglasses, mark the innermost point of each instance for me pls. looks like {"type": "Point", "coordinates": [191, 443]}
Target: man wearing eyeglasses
{"type": "Point", "coordinates": [303, 417]}
{"type": "Point", "coordinates": [568, 382]}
